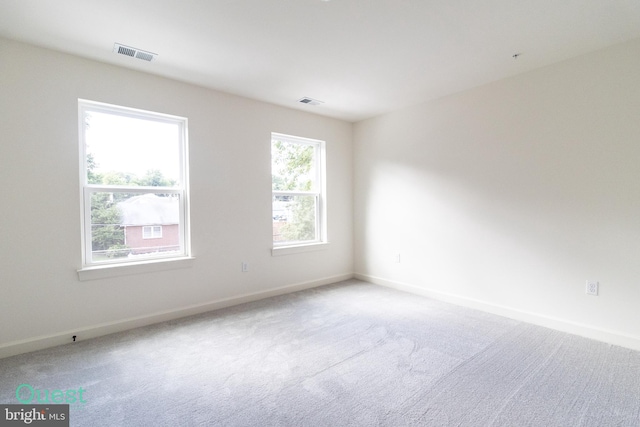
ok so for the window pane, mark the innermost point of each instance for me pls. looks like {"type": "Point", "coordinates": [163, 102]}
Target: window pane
{"type": "Point", "coordinates": [131, 151]}
{"type": "Point", "coordinates": [293, 166]}
{"type": "Point", "coordinates": [294, 218]}
{"type": "Point", "coordinates": [130, 225]}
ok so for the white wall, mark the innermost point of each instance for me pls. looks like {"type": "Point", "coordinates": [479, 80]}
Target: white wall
{"type": "Point", "coordinates": [42, 302]}
{"type": "Point", "coordinates": [510, 196]}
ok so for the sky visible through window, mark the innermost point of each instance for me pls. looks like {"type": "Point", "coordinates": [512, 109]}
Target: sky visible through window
{"type": "Point", "coordinates": [132, 145]}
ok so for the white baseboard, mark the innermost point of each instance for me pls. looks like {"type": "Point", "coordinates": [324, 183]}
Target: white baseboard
{"type": "Point", "coordinates": [42, 342]}
{"type": "Point", "coordinates": [587, 331]}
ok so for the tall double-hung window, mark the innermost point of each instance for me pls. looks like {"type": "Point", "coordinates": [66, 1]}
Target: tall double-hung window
{"type": "Point", "coordinates": [134, 181]}
{"type": "Point", "coordinates": [298, 190]}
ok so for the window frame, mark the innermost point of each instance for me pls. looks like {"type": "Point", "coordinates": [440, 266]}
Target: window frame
{"type": "Point", "coordinates": [152, 233]}
{"type": "Point", "coordinates": [319, 193]}
{"type": "Point", "coordinates": [181, 190]}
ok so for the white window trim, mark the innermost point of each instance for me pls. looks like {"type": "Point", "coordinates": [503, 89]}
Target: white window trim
{"type": "Point", "coordinates": [321, 241]}
{"type": "Point", "coordinates": [120, 270]}
{"type": "Point", "coordinates": [151, 263]}
{"type": "Point", "coordinates": [296, 249]}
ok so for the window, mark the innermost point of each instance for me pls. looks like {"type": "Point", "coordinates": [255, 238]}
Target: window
{"type": "Point", "coordinates": [134, 185]}
{"type": "Point", "coordinates": [298, 199]}
{"type": "Point", "coordinates": [152, 232]}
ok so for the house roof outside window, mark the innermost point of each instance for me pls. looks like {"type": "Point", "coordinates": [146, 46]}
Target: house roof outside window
{"type": "Point", "coordinates": [149, 209]}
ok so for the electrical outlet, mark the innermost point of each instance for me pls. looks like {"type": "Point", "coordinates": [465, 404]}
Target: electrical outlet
{"type": "Point", "coordinates": [245, 267]}
{"type": "Point", "coordinates": [592, 287]}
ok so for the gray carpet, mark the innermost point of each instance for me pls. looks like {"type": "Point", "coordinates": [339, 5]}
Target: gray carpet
{"type": "Point", "coordinates": [350, 354]}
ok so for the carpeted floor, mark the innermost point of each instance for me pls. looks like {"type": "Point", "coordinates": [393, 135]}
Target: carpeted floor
{"type": "Point", "coordinates": [349, 354]}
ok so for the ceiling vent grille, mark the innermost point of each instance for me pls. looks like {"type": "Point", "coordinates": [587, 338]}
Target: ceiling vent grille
{"type": "Point", "coordinates": [133, 52]}
{"type": "Point", "coordinates": [310, 101]}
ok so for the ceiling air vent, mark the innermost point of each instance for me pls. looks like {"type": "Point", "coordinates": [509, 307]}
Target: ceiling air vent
{"type": "Point", "coordinates": [133, 52]}
{"type": "Point", "coordinates": [310, 101]}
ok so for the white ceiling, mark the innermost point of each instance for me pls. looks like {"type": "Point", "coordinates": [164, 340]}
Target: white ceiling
{"type": "Point", "coordinates": [361, 57]}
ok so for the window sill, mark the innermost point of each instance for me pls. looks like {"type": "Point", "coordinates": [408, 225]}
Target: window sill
{"type": "Point", "coordinates": [117, 270]}
{"type": "Point", "coordinates": [287, 250]}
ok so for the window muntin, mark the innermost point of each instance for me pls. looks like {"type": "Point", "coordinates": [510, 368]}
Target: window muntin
{"type": "Point", "coordinates": [297, 166]}
{"type": "Point", "coordinates": [133, 175]}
